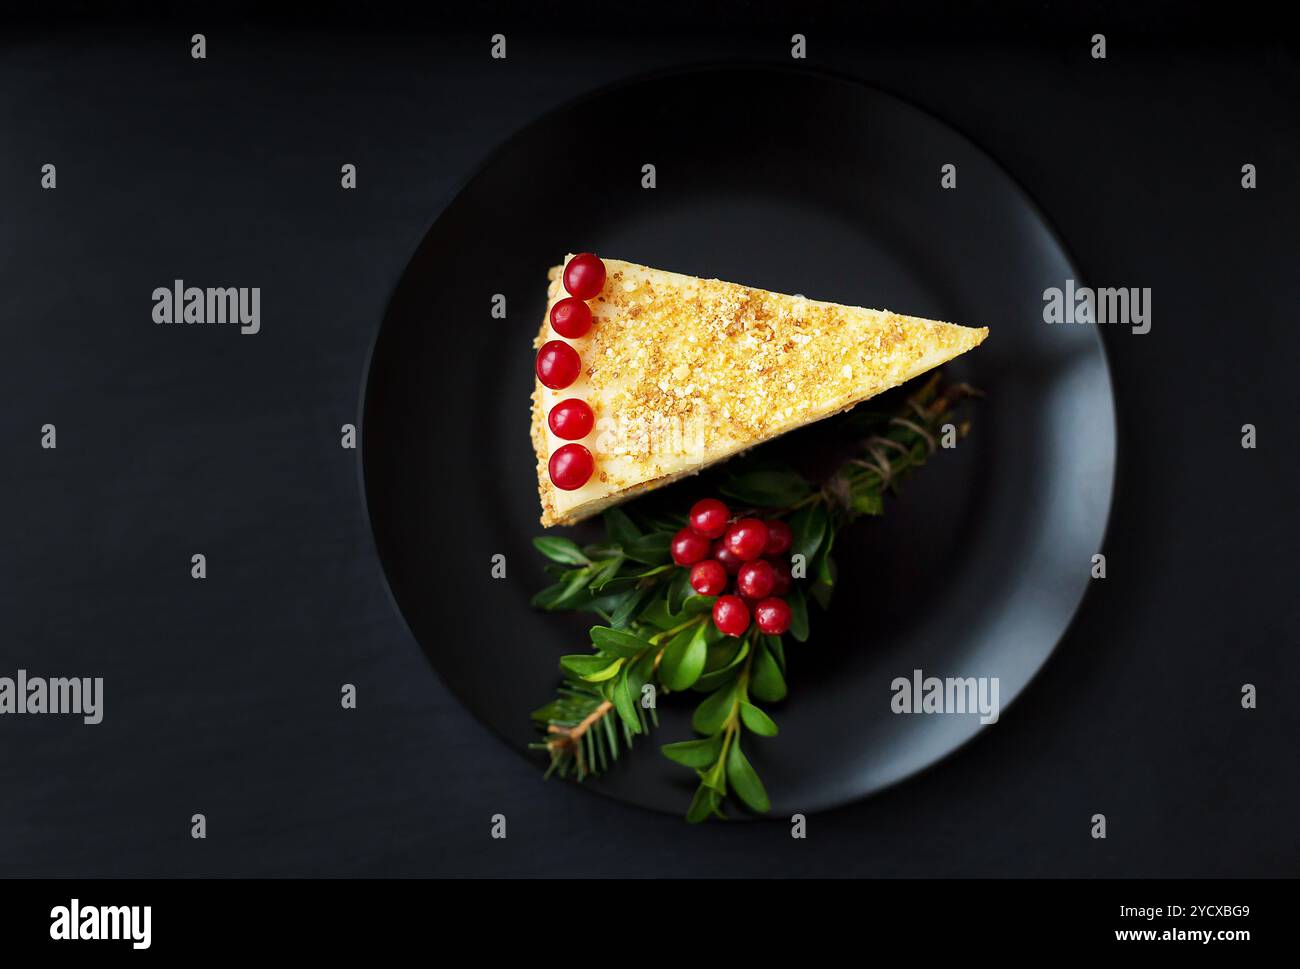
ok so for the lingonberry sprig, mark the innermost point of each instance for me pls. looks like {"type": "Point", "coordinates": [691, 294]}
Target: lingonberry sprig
{"type": "Point", "coordinates": [701, 602]}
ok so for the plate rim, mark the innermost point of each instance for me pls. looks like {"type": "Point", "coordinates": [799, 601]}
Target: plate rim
{"type": "Point", "coordinates": [707, 67]}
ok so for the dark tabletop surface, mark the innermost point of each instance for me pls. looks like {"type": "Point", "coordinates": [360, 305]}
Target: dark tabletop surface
{"type": "Point", "coordinates": [222, 695]}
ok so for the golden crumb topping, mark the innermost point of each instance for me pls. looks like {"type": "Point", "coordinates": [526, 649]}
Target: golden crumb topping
{"type": "Point", "coordinates": [682, 371]}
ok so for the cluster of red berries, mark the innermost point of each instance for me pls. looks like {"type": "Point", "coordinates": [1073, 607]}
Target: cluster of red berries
{"type": "Point", "coordinates": [750, 550]}
{"type": "Point", "coordinates": [558, 365]}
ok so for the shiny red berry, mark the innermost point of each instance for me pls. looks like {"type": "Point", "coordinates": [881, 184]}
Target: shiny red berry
{"type": "Point", "coordinates": [781, 568]}
{"type": "Point", "coordinates": [779, 538]}
{"type": "Point", "coordinates": [571, 467]}
{"type": "Point", "coordinates": [571, 420]}
{"type": "Point", "coordinates": [724, 556]}
{"type": "Point", "coordinates": [571, 318]}
{"type": "Point", "coordinates": [689, 548]}
{"type": "Point", "coordinates": [772, 616]}
{"type": "Point", "coordinates": [756, 579]}
{"type": "Point", "coordinates": [584, 276]}
{"type": "Point", "coordinates": [709, 517]}
{"type": "Point", "coordinates": [558, 364]}
{"type": "Point", "coordinates": [709, 578]}
{"type": "Point", "coordinates": [746, 539]}
{"type": "Point", "coordinates": [731, 615]}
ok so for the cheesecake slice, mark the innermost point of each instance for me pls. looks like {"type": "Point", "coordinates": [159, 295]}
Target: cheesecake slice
{"type": "Point", "coordinates": [682, 372]}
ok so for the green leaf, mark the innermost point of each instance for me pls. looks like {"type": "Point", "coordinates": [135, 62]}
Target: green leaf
{"type": "Point", "coordinates": [868, 503]}
{"type": "Point", "coordinates": [603, 573]}
{"type": "Point", "coordinates": [694, 753]}
{"type": "Point", "coordinates": [583, 664]}
{"type": "Point", "coordinates": [564, 594]}
{"type": "Point", "coordinates": [768, 489]}
{"type": "Point", "coordinates": [744, 780]}
{"type": "Point", "coordinates": [602, 605]}
{"type": "Point", "coordinates": [559, 549]}
{"type": "Point", "coordinates": [756, 720]}
{"type": "Point", "coordinates": [694, 605]}
{"type": "Point", "coordinates": [798, 615]}
{"type": "Point", "coordinates": [608, 673]}
{"type": "Point", "coordinates": [545, 598]}
{"type": "Point", "coordinates": [777, 648]}
{"type": "Point", "coordinates": [652, 549]}
{"type": "Point", "coordinates": [716, 678]}
{"type": "Point", "coordinates": [824, 572]}
{"type": "Point", "coordinates": [683, 659]}
{"type": "Point", "coordinates": [766, 680]}
{"type": "Point", "coordinates": [710, 714]}
{"type": "Point", "coordinates": [657, 615]}
{"type": "Point", "coordinates": [624, 704]}
{"type": "Point", "coordinates": [628, 606]}
{"type": "Point", "coordinates": [716, 778]}
{"type": "Point", "coordinates": [672, 522]}
{"type": "Point", "coordinates": [679, 589]}
{"type": "Point", "coordinates": [703, 805]}
{"type": "Point", "coordinates": [620, 528]}
{"type": "Point", "coordinates": [619, 584]}
{"type": "Point", "coordinates": [618, 642]}
{"type": "Point", "coordinates": [723, 652]}
{"type": "Point", "coordinates": [809, 527]}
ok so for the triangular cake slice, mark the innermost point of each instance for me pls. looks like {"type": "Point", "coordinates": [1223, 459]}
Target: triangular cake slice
{"type": "Point", "coordinates": [682, 372]}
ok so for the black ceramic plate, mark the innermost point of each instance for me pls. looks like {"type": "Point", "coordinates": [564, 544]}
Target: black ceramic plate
{"type": "Point", "coordinates": [798, 183]}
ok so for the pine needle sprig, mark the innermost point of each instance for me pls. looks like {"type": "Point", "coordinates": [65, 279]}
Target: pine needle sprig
{"type": "Point", "coordinates": [584, 736]}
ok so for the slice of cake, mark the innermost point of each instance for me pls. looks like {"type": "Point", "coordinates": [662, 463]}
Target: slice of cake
{"type": "Point", "coordinates": [644, 376]}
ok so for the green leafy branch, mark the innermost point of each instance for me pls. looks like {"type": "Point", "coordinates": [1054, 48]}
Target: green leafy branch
{"type": "Point", "coordinates": [658, 633]}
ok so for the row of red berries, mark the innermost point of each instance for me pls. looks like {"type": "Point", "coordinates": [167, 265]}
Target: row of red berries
{"type": "Point", "coordinates": [558, 365]}
{"type": "Point", "coordinates": [752, 551]}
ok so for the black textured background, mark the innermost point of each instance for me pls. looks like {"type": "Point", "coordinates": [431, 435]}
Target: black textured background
{"type": "Point", "coordinates": [222, 695]}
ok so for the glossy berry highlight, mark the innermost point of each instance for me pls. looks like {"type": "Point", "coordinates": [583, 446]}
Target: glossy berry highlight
{"type": "Point", "coordinates": [584, 276]}
{"type": "Point", "coordinates": [709, 578]}
{"type": "Point", "coordinates": [746, 539]}
{"type": "Point", "coordinates": [731, 615]}
{"type": "Point", "coordinates": [772, 616]}
{"type": "Point", "coordinates": [689, 548]}
{"type": "Point", "coordinates": [709, 517]}
{"type": "Point", "coordinates": [558, 364]}
{"type": "Point", "coordinates": [571, 467]}
{"type": "Point", "coordinates": [571, 420]}
{"type": "Point", "coordinates": [571, 318]}
{"type": "Point", "coordinates": [756, 579]}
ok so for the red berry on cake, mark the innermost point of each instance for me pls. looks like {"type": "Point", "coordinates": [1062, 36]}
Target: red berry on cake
{"type": "Point", "coordinates": [571, 420]}
{"type": "Point", "coordinates": [571, 318]}
{"type": "Point", "coordinates": [558, 364]}
{"type": "Point", "coordinates": [571, 467]}
{"type": "Point", "coordinates": [584, 276]}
